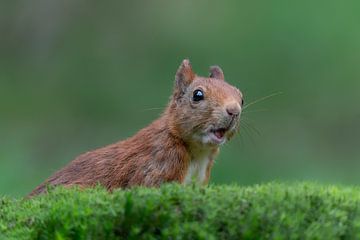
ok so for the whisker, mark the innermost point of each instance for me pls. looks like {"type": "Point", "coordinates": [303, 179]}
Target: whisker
{"type": "Point", "coordinates": [255, 111]}
{"type": "Point", "coordinates": [241, 140]}
{"type": "Point", "coordinates": [262, 99]}
{"type": "Point", "coordinates": [151, 109]}
{"type": "Point", "coordinates": [247, 132]}
{"type": "Point", "coordinates": [250, 126]}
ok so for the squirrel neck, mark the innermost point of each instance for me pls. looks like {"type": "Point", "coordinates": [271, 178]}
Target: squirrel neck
{"type": "Point", "coordinates": [195, 149]}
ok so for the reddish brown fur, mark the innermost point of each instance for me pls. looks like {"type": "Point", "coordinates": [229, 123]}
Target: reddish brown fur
{"type": "Point", "coordinates": [162, 151]}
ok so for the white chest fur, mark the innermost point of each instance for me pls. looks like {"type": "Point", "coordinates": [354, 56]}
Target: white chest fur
{"type": "Point", "coordinates": [197, 170]}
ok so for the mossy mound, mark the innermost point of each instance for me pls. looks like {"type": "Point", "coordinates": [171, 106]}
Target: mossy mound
{"type": "Point", "coordinates": [269, 211]}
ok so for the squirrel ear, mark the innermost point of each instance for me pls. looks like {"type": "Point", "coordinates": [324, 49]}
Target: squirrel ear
{"type": "Point", "coordinates": [184, 76]}
{"type": "Point", "coordinates": [216, 72]}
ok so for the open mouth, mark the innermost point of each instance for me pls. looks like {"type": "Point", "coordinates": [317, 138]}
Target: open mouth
{"type": "Point", "coordinates": [218, 135]}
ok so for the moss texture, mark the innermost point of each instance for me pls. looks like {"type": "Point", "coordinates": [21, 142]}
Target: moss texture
{"type": "Point", "coordinates": [268, 211]}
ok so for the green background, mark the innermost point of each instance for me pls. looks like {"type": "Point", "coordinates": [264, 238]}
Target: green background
{"type": "Point", "coordinates": [77, 75]}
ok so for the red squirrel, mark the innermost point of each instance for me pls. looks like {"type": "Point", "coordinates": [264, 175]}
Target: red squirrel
{"type": "Point", "coordinates": [180, 146]}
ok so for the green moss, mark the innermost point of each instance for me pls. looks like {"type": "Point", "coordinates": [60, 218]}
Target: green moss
{"type": "Point", "coordinates": [269, 211]}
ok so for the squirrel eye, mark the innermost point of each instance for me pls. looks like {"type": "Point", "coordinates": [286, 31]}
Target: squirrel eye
{"type": "Point", "coordinates": [242, 102]}
{"type": "Point", "coordinates": [198, 95]}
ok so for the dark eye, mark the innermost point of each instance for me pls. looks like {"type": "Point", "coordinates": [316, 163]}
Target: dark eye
{"type": "Point", "coordinates": [242, 102]}
{"type": "Point", "coordinates": [198, 95]}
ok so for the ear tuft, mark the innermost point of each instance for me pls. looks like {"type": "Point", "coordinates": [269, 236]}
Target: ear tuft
{"type": "Point", "coordinates": [185, 72]}
{"type": "Point", "coordinates": [183, 78]}
{"type": "Point", "coordinates": [216, 72]}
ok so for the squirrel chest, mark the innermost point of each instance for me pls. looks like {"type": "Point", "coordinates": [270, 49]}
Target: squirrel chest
{"type": "Point", "coordinates": [198, 169]}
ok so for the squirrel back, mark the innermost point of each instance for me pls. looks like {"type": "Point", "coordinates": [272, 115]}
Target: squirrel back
{"type": "Point", "coordinates": [203, 113]}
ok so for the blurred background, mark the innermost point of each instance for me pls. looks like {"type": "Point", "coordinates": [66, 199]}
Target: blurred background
{"type": "Point", "coordinates": [78, 75]}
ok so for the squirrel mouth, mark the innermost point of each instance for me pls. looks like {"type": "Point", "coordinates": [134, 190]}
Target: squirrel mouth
{"type": "Point", "coordinates": [218, 135]}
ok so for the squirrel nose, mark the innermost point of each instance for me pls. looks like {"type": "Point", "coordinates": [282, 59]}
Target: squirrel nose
{"type": "Point", "coordinates": [233, 109]}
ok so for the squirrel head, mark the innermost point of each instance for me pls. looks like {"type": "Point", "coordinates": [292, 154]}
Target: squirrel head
{"type": "Point", "coordinates": [204, 110]}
